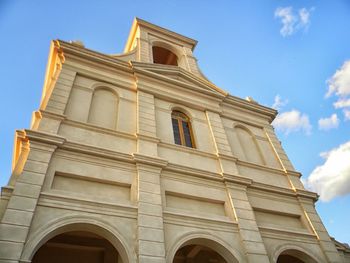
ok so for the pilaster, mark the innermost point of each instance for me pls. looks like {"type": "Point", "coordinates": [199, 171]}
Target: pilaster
{"type": "Point", "coordinates": [252, 241]}
{"type": "Point", "coordinates": [319, 229]}
{"type": "Point", "coordinates": [17, 218]}
{"type": "Point", "coordinates": [150, 229]}
{"type": "Point", "coordinates": [222, 146]}
{"type": "Point", "coordinates": [146, 124]}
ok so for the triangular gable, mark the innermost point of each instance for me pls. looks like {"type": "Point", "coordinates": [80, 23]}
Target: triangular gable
{"type": "Point", "coordinates": [180, 76]}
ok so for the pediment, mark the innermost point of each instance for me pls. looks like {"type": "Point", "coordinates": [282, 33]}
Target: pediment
{"type": "Point", "coordinates": [180, 76]}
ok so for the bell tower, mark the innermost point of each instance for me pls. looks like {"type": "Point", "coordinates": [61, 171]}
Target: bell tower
{"type": "Point", "coordinates": [154, 44]}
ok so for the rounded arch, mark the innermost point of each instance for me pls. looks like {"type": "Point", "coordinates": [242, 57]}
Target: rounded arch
{"type": "Point", "coordinates": [104, 106]}
{"type": "Point", "coordinates": [207, 239]}
{"type": "Point", "coordinates": [249, 144]}
{"type": "Point", "coordinates": [77, 223]}
{"type": "Point", "coordinates": [187, 112]}
{"type": "Point", "coordinates": [159, 43]}
{"type": "Point", "coordinates": [296, 251]}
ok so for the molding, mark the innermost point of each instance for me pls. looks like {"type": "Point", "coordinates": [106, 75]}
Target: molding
{"type": "Point", "coordinates": [250, 106]}
{"type": "Point", "coordinates": [229, 178]}
{"type": "Point", "coordinates": [208, 91]}
{"type": "Point", "coordinates": [182, 148]}
{"type": "Point", "coordinates": [272, 189]}
{"type": "Point", "coordinates": [52, 115]}
{"type": "Point", "coordinates": [91, 55]}
{"type": "Point", "coordinates": [194, 172]}
{"type": "Point", "coordinates": [227, 157]}
{"type": "Point", "coordinates": [43, 137]}
{"type": "Point", "coordinates": [278, 233]}
{"type": "Point", "coordinates": [214, 223]}
{"type": "Point", "coordinates": [140, 136]}
{"type": "Point", "coordinates": [55, 200]}
{"type": "Point", "coordinates": [96, 151]}
{"type": "Point", "coordinates": [260, 167]}
{"type": "Point", "coordinates": [149, 160]}
{"type": "Point", "coordinates": [307, 194]}
{"type": "Point", "coordinates": [193, 81]}
{"type": "Point", "coordinates": [99, 129]}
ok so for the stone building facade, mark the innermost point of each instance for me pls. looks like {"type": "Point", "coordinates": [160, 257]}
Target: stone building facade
{"type": "Point", "coordinates": [139, 158]}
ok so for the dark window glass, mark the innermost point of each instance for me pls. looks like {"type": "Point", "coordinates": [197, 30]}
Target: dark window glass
{"type": "Point", "coordinates": [176, 130]}
{"type": "Point", "coordinates": [182, 129]}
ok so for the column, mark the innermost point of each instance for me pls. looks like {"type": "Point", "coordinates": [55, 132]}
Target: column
{"type": "Point", "coordinates": [255, 250]}
{"type": "Point", "coordinates": [17, 218]}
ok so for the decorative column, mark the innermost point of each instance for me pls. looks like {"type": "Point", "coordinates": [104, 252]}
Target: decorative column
{"type": "Point", "coordinates": [255, 250]}
{"type": "Point", "coordinates": [17, 218]}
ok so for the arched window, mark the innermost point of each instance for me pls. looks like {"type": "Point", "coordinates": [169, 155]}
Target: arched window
{"type": "Point", "coordinates": [182, 129]}
{"type": "Point", "coordinates": [163, 56]}
{"type": "Point", "coordinates": [103, 109]}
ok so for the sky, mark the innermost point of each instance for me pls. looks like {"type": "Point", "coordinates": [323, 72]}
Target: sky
{"type": "Point", "coordinates": [290, 55]}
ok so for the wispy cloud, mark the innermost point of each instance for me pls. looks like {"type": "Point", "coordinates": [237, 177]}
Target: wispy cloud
{"type": "Point", "coordinates": [332, 179]}
{"type": "Point", "coordinates": [292, 121]}
{"type": "Point", "coordinates": [279, 103]}
{"type": "Point", "coordinates": [339, 85]}
{"type": "Point", "coordinates": [293, 21]}
{"type": "Point", "coordinates": [328, 123]}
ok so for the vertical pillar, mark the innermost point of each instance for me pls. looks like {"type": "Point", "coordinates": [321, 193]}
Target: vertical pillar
{"type": "Point", "coordinates": [17, 218]}
{"type": "Point", "coordinates": [146, 124]}
{"type": "Point", "coordinates": [150, 228]}
{"type": "Point", "coordinates": [327, 245]}
{"type": "Point", "coordinates": [254, 246]}
{"type": "Point", "coordinates": [222, 146]}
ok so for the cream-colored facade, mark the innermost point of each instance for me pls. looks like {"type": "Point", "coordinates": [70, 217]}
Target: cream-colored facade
{"type": "Point", "coordinates": [98, 177]}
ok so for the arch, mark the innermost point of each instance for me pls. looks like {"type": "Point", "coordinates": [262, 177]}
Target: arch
{"type": "Point", "coordinates": [104, 107]}
{"type": "Point", "coordinates": [163, 53]}
{"type": "Point", "coordinates": [77, 223]}
{"type": "Point", "coordinates": [248, 144]}
{"type": "Point", "coordinates": [207, 239]}
{"type": "Point", "coordinates": [296, 251]}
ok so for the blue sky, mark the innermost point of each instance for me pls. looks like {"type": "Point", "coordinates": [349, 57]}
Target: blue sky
{"type": "Point", "coordinates": [296, 50]}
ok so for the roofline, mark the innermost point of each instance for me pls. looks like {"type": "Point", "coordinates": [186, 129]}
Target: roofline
{"type": "Point", "coordinates": [140, 22]}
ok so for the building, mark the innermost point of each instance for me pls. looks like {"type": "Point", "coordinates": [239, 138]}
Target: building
{"type": "Point", "coordinates": [139, 158]}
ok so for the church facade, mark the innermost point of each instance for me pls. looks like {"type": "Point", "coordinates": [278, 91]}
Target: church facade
{"type": "Point", "coordinates": [139, 158]}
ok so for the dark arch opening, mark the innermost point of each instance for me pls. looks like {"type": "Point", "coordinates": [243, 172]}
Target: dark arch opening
{"type": "Point", "coordinates": [164, 56]}
{"type": "Point", "coordinates": [197, 254]}
{"type": "Point", "coordinates": [294, 256]}
{"type": "Point", "coordinates": [77, 246]}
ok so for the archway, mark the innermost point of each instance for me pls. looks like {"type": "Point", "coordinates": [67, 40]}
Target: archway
{"type": "Point", "coordinates": [197, 254]}
{"type": "Point", "coordinates": [77, 246]}
{"type": "Point", "coordinates": [202, 250]}
{"type": "Point", "coordinates": [294, 256]}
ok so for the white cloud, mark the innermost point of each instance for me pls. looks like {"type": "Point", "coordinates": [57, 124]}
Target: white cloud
{"type": "Point", "coordinates": [332, 179]}
{"type": "Point", "coordinates": [292, 121]}
{"type": "Point", "coordinates": [339, 83]}
{"type": "Point", "coordinates": [328, 123]}
{"type": "Point", "coordinates": [342, 103]}
{"type": "Point", "coordinates": [279, 103]}
{"type": "Point", "coordinates": [347, 114]}
{"type": "Point", "coordinates": [292, 21]}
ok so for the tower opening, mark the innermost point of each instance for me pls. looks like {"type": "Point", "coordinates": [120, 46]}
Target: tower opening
{"type": "Point", "coordinates": [77, 246]}
{"type": "Point", "coordinates": [164, 56]}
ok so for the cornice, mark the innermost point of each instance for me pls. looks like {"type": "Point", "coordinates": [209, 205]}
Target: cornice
{"type": "Point", "coordinates": [242, 104]}
{"type": "Point", "coordinates": [96, 151]}
{"type": "Point", "coordinates": [278, 233]}
{"type": "Point", "coordinates": [182, 148]}
{"type": "Point", "coordinates": [149, 160]}
{"type": "Point", "coordinates": [260, 167]}
{"type": "Point", "coordinates": [272, 189]}
{"type": "Point", "coordinates": [68, 49]}
{"type": "Point", "coordinates": [193, 172]}
{"type": "Point", "coordinates": [43, 137]}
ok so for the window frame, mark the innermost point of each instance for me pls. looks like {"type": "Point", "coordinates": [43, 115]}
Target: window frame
{"type": "Point", "coordinates": [181, 117]}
